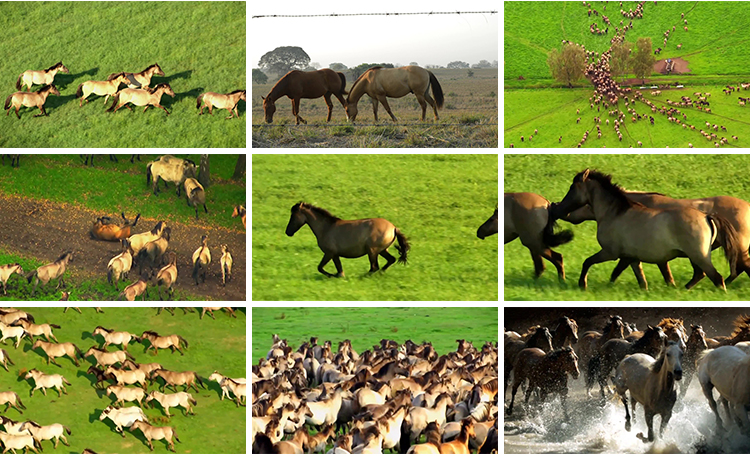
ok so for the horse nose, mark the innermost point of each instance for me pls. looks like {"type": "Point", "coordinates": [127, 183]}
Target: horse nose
{"type": "Point", "coordinates": [678, 374]}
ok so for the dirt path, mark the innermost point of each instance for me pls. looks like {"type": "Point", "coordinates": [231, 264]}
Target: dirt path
{"type": "Point", "coordinates": [45, 230]}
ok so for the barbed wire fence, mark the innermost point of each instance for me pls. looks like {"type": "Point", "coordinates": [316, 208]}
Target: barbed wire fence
{"type": "Point", "coordinates": [426, 13]}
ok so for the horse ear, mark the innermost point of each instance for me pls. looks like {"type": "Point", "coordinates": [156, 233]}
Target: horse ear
{"type": "Point", "coordinates": [262, 97]}
{"type": "Point", "coordinates": [585, 174]}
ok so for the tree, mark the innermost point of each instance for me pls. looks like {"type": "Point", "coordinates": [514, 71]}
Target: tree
{"type": "Point", "coordinates": [204, 172]}
{"type": "Point", "coordinates": [337, 66]}
{"type": "Point", "coordinates": [470, 73]}
{"type": "Point", "coordinates": [483, 64]}
{"type": "Point", "coordinates": [240, 167]}
{"type": "Point", "coordinates": [315, 65]}
{"type": "Point", "coordinates": [643, 59]}
{"type": "Point", "coordinates": [567, 65]}
{"type": "Point", "coordinates": [284, 59]}
{"type": "Point", "coordinates": [413, 63]}
{"type": "Point", "coordinates": [259, 77]}
{"type": "Point", "coordinates": [621, 60]}
{"type": "Point", "coordinates": [363, 67]}
{"type": "Point", "coordinates": [457, 65]}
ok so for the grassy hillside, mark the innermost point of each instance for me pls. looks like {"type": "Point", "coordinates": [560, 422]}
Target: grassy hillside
{"type": "Point", "coordinates": [217, 427]}
{"type": "Point", "coordinates": [437, 201]}
{"type": "Point", "coordinates": [199, 45]}
{"type": "Point", "coordinates": [678, 176]}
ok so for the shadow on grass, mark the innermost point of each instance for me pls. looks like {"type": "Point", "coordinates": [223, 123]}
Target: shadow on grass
{"type": "Point", "coordinates": [57, 101]}
{"type": "Point", "coordinates": [192, 93]}
{"type": "Point", "coordinates": [62, 80]}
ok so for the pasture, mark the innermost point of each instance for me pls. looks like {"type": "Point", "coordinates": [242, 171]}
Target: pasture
{"type": "Point", "coordinates": [217, 427]}
{"type": "Point", "coordinates": [200, 46]}
{"type": "Point", "coordinates": [678, 176]}
{"type": "Point", "coordinates": [437, 201]}
{"type": "Point", "coordinates": [50, 202]}
{"type": "Point", "coordinates": [470, 102]}
{"type": "Point", "coordinates": [714, 50]}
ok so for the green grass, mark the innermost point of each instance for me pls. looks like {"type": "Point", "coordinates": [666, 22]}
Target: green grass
{"type": "Point", "coordinates": [200, 46]}
{"type": "Point", "coordinates": [678, 176]}
{"type": "Point", "coordinates": [217, 427]}
{"type": "Point", "coordinates": [365, 327]}
{"type": "Point", "coordinates": [437, 201]}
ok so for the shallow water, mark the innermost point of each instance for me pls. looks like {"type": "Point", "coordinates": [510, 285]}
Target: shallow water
{"type": "Point", "coordinates": [540, 429]}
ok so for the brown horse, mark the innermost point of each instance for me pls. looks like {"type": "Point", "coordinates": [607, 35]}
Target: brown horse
{"type": "Point", "coordinates": [306, 84]}
{"type": "Point", "coordinates": [565, 334]}
{"type": "Point", "coordinates": [379, 83]}
{"type": "Point", "coordinates": [141, 97]}
{"type": "Point", "coordinates": [348, 238]}
{"type": "Point", "coordinates": [527, 217]}
{"type": "Point", "coordinates": [221, 101]}
{"type": "Point", "coordinates": [740, 333]}
{"type": "Point", "coordinates": [30, 77]}
{"type": "Point", "coordinates": [538, 337]}
{"type": "Point", "coordinates": [105, 88]}
{"type": "Point", "coordinates": [30, 99]}
{"type": "Point", "coordinates": [140, 80]}
{"type": "Point", "coordinates": [104, 230]}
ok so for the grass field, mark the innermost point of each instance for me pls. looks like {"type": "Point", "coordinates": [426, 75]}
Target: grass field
{"type": "Point", "coordinates": [365, 327]}
{"type": "Point", "coordinates": [714, 49]}
{"type": "Point", "coordinates": [437, 201]}
{"type": "Point", "coordinates": [678, 176]}
{"type": "Point", "coordinates": [217, 427]}
{"type": "Point", "coordinates": [471, 102]}
{"type": "Point", "coordinates": [200, 46]}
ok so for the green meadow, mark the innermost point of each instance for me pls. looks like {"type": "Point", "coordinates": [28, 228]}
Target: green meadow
{"type": "Point", "coordinates": [200, 46]}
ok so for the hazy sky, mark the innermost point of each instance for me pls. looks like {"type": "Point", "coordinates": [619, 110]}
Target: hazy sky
{"type": "Point", "coordinates": [436, 39]}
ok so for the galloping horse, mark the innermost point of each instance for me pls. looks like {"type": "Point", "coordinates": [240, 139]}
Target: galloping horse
{"type": "Point", "coordinates": [306, 84]}
{"type": "Point", "coordinates": [488, 228]}
{"type": "Point", "coordinates": [141, 97]}
{"type": "Point", "coordinates": [348, 238]}
{"type": "Point", "coordinates": [527, 217]}
{"type": "Point", "coordinates": [696, 344]}
{"type": "Point", "coordinates": [652, 384]}
{"type": "Point", "coordinates": [140, 80]}
{"type": "Point", "coordinates": [106, 88]}
{"type": "Point", "coordinates": [30, 99]}
{"type": "Point", "coordinates": [538, 337]}
{"type": "Point", "coordinates": [727, 369]}
{"type": "Point", "coordinates": [228, 102]}
{"type": "Point", "coordinates": [379, 83]}
{"type": "Point", "coordinates": [565, 334]}
{"type": "Point", "coordinates": [628, 230]}
{"type": "Point", "coordinates": [30, 77]}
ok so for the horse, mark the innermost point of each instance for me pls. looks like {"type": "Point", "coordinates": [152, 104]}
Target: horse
{"type": "Point", "coordinates": [30, 99]}
{"type": "Point", "coordinates": [740, 333]}
{"type": "Point", "coordinates": [52, 350]}
{"type": "Point", "coordinates": [120, 265]}
{"type": "Point", "coordinates": [112, 337]}
{"type": "Point", "coordinates": [11, 399]}
{"type": "Point", "coordinates": [175, 378]}
{"type": "Point", "coordinates": [163, 342]}
{"type": "Point", "coordinates": [167, 401]}
{"type": "Point", "coordinates": [169, 168]}
{"type": "Point", "coordinates": [631, 231]}
{"type": "Point", "coordinates": [239, 210]}
{"type": "Point", "coordinates": [221, 101]}
{"type": "Point", "coordinates": [379, 83]}
{"type": "Point", "coordinates": [141, 97]}
{"type": "Point", "coordinates": [527, 217]}
{"type": "Point", "coordinates": [47, 432]}
{"type": "Point", "coordinates": [6, 271]}
{"type": "Point", "coordinates": [549, 372]}
{"type": "Point", "coordinates": [124, 377]}
{"type": "Point", "coordinates": [195, 195]}
{"type": "Point", "coordinates": [100, 376]}
{"type": "Point", "coordinates": [201, 259]}
{"type": "Point", "coordinates": [489, 227]}
{"type": "Point", "coordinates": [54, 270]}
{"type": "Point", "coordinates": [105, 358]}
{"type": "Point", "coordinates": [4, 359]}
{"type": "Point", "coordinates": [167, 276]}
{"type": "Point", "coordinates": [614, 350]}
{"type": "Point", "coordinates": [695, 346]}
{"type": "Point", "coordinates": [44, 77]}
{"type": "Point", "coordinates": [432, 441]}
{"type": "Point", "coordinates": [123, 417]}
{"type": "Point", "coordinates": [210, 310]}
{"type": "Point", "coordinates": [104, 230]}
{"type": "Point", "coordinates": [154, 250]}
{"type": "Point", "coordinates": [460, 445]}
{"type": "Point", "coordinates": [565, 333]}
{"type": "Point", "coordinates": [418, 417]}
{"type": "Point", "coordinates": [726, 368]}
{"type": "Point", "coordinates": [348, 238]}
{"type": "Point", "coordinates": [12, 332]}
{"type": "Point", "coordinates": [226, 265]}
{"type": "Point", "coordinates": [39, 329]}
{"type": "Point", "coordinates": [306, 84]}
{"type": "Point", "coordinates": [156, 433]}
{"type": "Point", "coordinates": [20, 442]}
{"type": "Point", "coordinates": [47, 381]}
{"type": "Point", "coordinates": [652, 384]}
{"type": "Point", "coordinates": [140, 80]}
{"type": "Point", "coordinates": [105, 88]}
{"type": "Point", "coordinates": [135, 290]}
{"type": "Point", "coordinates": [138, 241]}
{"type": "Point", "coordinates": [15, 159]}
{"type": "Point", "coordinates": [539, 337]}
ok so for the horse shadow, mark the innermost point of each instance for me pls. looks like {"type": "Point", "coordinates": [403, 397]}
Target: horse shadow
{"type": "Point", "coordinates": [192, 93]}
{"type": "Point", "coordinates": [213, 386]}
{"type": "Point", "coordinates": [168, 79]}
{"type": "Point", "coordinates": [62, 80]}
{"type": "Point", "coordinates": [56, 101]}
{"type": "Point", "coordinates": [92, 379]}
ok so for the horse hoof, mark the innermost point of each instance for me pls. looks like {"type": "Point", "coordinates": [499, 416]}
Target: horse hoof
{"type": "Point", "coordinates": [627, 426]}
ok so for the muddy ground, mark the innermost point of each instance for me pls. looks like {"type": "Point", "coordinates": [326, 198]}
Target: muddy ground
{"type": "Point", "coordinates": [45, 230]}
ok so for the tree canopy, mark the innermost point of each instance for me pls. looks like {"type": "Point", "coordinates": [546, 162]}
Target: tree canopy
{"type": "Point", "coordinates": [643, 59]}
{"type": "Point", "coordinates": [568, 65]}
{"type": "Point", "coordinates": [284, 59]}
{"type": "Point", "coordinates": [621, 58]}
{"type": "Point", "coordinates": [259, 77]}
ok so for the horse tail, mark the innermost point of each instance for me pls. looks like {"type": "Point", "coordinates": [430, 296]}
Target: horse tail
{"type": "Point", "coordinates": [198, 105]}
{"type": "Point", "coordinates": [7, 101]}
{"type": "Point", "coordinates": [174, 430]}
{"type": "Point", "coordinates": [18, 82]}
{"type": "Point", "coordinates": [343, 83]}
{"type": "Point", "coordinates": [79, 91]}
{"type": "Point", "coordinates": [67, 429]}
{"type": "Point", "coordinates": [54, 325]}
{"type": "Point", "coordinates": [66, 381]}
{"type": "Point", "coordinates": [31, 276]}
{"type": "Point", "coordinates": [198, 378]}
{"type": "Point", "coordinates": [592, 371]}
{"type": "Point", "coordinates": [20, 403]}
{"type": "Point", "coordinates": [405, 435]}
{"type": "Point", "coordinates": [729, 241]}
{"type": "Point", "coordinates": [184, 341]}
{"type": "Point", "coordinates": [109, 274]}
{"type": "Point", "coordinates": [80, 354]}
{"type": "Point", "coordinates": [117, 99]}
{"type": "Point", "coordinates": [437, 91]}
{"type": "Point", "coordinates": [549, 237]}
{"type": "Point", "coordinates": [403, 246]}
{"type": "Point", "coordinates": [148, 174]}
{"type": "Point", "coordinates": [7, 358]}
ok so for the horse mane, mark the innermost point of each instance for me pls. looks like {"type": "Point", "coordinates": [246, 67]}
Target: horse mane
{"type": "Point", "coordinates": [319, 211]}
{"type": "Point", "coordinates": [642, 342]}
{"type": "Point", "coordinates": [63, 256]}
{"type": "Point", "coordinates": [621, 200]}
{"type": "Point", "coordinates": [279, 87]}
{"type": "Point", "coordinates": [53, 66]}
{"type": "Point", "coordinates": [236, 92]}
{"type": "Point", "coordinates": [669, 322]}
{"type": "Point", "coordinates": [43, 88]}
{"type": "Point", "coordinates": [151, 66]}
{"type": "Point", "coordinates": [105, 329]}
{"type": "Point", "coordinates": [741, 324]}
{"type": "Point", "coordinates": [608, 327]}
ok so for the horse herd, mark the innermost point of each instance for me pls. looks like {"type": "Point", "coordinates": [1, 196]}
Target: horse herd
{"type": "Point", "coordinates": [385, 398]}
{"type": "Point", "coordinates": [118, 366]}
{"type": "Point", "coordinates": [634, 227]}
{"type": "Point", "coordinates": [653, 365]}
{"type": "Point", "coordinates": [137, 92]}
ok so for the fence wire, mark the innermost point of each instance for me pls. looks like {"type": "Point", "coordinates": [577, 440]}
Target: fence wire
{"type": "Point", "coordinates": [374, 14]}
{"type": "Point", "coordinates": [423, 124]}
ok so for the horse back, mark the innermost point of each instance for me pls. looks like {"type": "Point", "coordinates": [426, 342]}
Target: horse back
{"type": "Point", "coordinates": [526, 214]}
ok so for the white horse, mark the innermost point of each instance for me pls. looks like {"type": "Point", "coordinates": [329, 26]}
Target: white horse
{"type": "Point", "coordinates": [12, 332]}
{"type": "Point", "coordinates": [652, 384]}
{"type": "Point", "coordinates": [47, 381]}
{"type": "Point", "coordinates": [727, 368]}
{"type": "Point", "coordinates": [123, 417]}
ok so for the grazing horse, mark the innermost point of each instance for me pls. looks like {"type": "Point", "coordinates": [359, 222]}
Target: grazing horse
{"type": "Point", "coordinates": [488, 228]}
{"type": "Point", "coordinates": [105, 88]}
{"type": "Point", "coordinates": [631, 231]}
{"type": "Point", "coordinates": [30, 77]}
{"type": "Point", "coordinates": [239, 210]}
{"type": "Point", "coordinates": [51, 271]}
{"type": "Point", "coordinates": [195, 195]}
{"type": "Point", "coordinates": [348, 238]}
{"type": "Point", "coordinates": [140, 80]}
{"type": "Point", "coordinates": [538, 337]}
{"type": "Point", "coordinates": [163, 342]}
{"type": "Point", "coordinates": [104, 230]}
{"type": "Point", "coordinates": [306, 84]}
{"type": "Point", "coordinates": [549, 372]}
{"type": "Point", "coordinates": [30, 99]}
{"type": "Point", "coordinates": [527, 217]}
{"type": "Point", "coordinates": [221, 101]}
{"type": "Point", "coordinates": [169, 168]}
{"type": "Point", "coordinates": [156, 433]}
{"type": "Point", "coordinates": [141, 97]}
{"type": "Point", "coordinates": [727, 369]}
{"type": "Point", "coordinates": [652, 384]}
{"type": "Point", "coordinates": [135, 290]}
{"type": "Point", "coordinates": [379, 83]}
{"type": "Point", "coordinates": [6, 271]}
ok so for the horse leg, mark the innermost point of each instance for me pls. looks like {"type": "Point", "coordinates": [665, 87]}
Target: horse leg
{"type": "Point", "coordinates": [666, 273]}
{"type": "Point", "coordinates": [159, 106]}
{"type": "Point", "coordinates": [339, 268]}
{"type": "Point", "coordinates": [41, 111]}
{"type": "Point", "coordinates": [599, 257]}
{"type": "Point", "coordinates": [624, 399]}
{"type": "Point", "coordinates": [390, 260]}
{"type": "Point", "coordinates": [295, 111]}
{"type": "Point", "coordinates": [538, 265]}
{"type": "Point", "coordinates": [382, 99]}
{"type": "Point", "coordinates": [327, 98]}
{"type": "Point", "coordinates": [17, 115]}
{"type": "Point", "coordinates": [619, 268]}
{"type": "Point", "coordinates": [373, 262]}
{"type": "Point", "coordinates": [374, 108]}
{"type": "Point", "coordinates": [423, 104]}
{"type": "Point", "coordinates": [708, 393]}
{"type": "Point", "coordinates": [557, 260]}
{"type": "Point", "coordinates": [638, 272]}
{"type": "Point", "coordinates": [650, 425]}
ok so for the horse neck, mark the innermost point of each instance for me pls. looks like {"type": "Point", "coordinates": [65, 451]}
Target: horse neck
{"type": "Point", "coordinates": [357, 91]}
{"type": "Point", "coordinates": [318, 224]}
{"type": "Point", "coordinates": [601, 204]}
{"type": "Point", "coordinates": [278, 90]}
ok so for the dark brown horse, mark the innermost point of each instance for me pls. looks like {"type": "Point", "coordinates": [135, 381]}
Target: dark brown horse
{"type": "Point", "coordinates": [306, 84]}
{"type": "Point", "coordinates": [538, 337]}
{"type": "Point", "coordinates": [696, 344]}
{"type": "Point", "coordinates": [349, 239]}
{"type": "Point", "coordinates": [565, 334]}
{"type": "Point", "coordinates": [489, 227]}
{"type": "Point", "coordinates": [591, 341]}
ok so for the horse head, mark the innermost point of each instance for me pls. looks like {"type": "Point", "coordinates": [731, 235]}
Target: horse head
{"type": "Point", "coordinates": [296, 220]}
{"type": "Point", "coordinates": [269, 107]}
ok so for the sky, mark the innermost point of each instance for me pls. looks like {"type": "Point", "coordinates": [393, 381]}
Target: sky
{"type": "Point", "coordinates": [427, 40]}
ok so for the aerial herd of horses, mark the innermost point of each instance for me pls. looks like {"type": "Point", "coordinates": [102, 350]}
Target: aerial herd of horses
{"type": "Point", "coordinates": [634, 227]}
{"type": "Point", "coordinates": [148, 250]}
{"type": "Point", "coordinates": [126, 381]}
{"type": "Point", "coordinates": [653, 365]}
{"type": "Point", "coordinates": [384, 398]}
{"type": "Point", "coordinates": [137, 92]}
{"type": "Point", "coordinates": [377, 82]}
